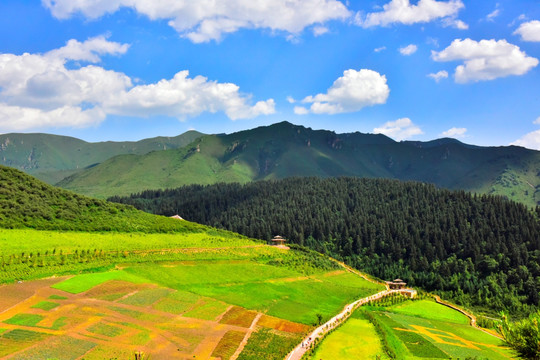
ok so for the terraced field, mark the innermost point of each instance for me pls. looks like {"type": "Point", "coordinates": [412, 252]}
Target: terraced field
{"type": "Point", "coordinates": [419, 329]}
{"type": "Point", "coordinates": [201, 302]}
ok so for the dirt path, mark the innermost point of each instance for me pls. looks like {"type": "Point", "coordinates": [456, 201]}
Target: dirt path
{"type": "Point", "coordinates": [322, 330]}
{"type": "Point", "coordinates": [246, 338]}
{"type": "Point", "coordinates": [469, 315]}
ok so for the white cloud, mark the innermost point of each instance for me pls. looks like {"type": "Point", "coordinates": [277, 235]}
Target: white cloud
{"type": "Point", "coordinates": [290, 100]}
{"type": "Point", "coordinates": [205, 20]}
{"type": "Point", "coordinates": [485, 59]}
{"type": "Point", "coordinates": [402, 12]}
{"type": "Point", "coordinates": [492, 15]}
{"type": "Point", "coordinates": [454, 132]}
{"type": "Point", "coordinates": [529, 31]}
{"type": "Point", "coordinates": [530, 140]}
{"type": "Point", "coordinates": [300, 110]}
{"type": "Point", "coordinates": [439, 75]}
{"type": "Point", "coordinates": [379, 49]}
{"type": "Point", "coordinates": [41, 90]}
{"type": "Point", "coordinates": [320, 30]}
{"type": "Point", "coordinates": [408, 50]}
{"type": "Point", "coordinates": [351, 92]}
{"type": "Point", "coordinates": [455, 23]}
{"type": "Point", "coordinates": [400, 129]}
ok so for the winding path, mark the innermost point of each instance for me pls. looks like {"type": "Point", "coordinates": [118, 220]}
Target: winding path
{"type": "Point", "coordinates": [322, 330]}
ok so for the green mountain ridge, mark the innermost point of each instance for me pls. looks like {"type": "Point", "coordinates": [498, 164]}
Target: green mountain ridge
{"type": "Point", "coordinates": [53, 157]}
{"type": "Point", "coordinates": [284, 150]}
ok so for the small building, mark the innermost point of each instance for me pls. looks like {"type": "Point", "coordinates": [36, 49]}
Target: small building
{"type": "Point", "coordinates": [397, 284]}
{"type": "Point", "coordinates": [278, 241]}
{"type": "Point", "coordinates": [410, 293]}
{"type": "Point", "coordinates": [177, 217]}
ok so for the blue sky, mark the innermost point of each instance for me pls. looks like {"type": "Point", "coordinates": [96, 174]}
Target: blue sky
{"type": "Point", "coordinates": [130, 69]}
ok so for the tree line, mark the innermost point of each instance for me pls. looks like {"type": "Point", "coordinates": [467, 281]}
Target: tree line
{"type": "Point", "coordinates": [481, 251]}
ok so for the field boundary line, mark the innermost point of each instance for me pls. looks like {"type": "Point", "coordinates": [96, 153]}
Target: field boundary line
{"type": "Point", "coordinates": [472, 317]}
{"type": "Point", "coordinates": [246, 337]}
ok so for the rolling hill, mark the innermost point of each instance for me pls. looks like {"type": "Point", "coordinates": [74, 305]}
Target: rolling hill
{"type": "Point", "coordinates": [26, 202]}
{"type": "Point", "coordinates": [283, 150]}
{"type": "Point", "coordinates": [52, 157]}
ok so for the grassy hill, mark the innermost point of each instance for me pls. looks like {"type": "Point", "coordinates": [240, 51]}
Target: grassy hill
{"type": "Point", "coordinates": [53, 157]}
{"type": "Point", "coordinates": [476, 250]}
{"type": "Point", "coordinates": [285, 150]}
{"type": "Point", "coordinates": [26, 202]}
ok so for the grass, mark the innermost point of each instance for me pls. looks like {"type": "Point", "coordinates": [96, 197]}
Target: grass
{"type": "Point", "coordinates": [57, 297]}
{"type": "Point", "coordinates": [228, 344]}
{"type": "Point", "coordinates": [24, 335]}
{"type": "Point", "coordinates": [146, 297]}
{"type": "Point", "coordinates": [431, 310]}
{"type": "Point", "coordinates": [24, 319]}
{"type": "Point", "coordinates": [346, 343]}
{"type": "Point", "coordinates": [239, 317]}
{"type": "Point", "coordinates": [297, 301]}
{"type": "Point", "coordinates": [106, 330]}
{"type": "Point", "coordinates": [85, 282]}
{"type": "Point", "coordinates": [29, 240]}
{"type": "Point", "coordinates": [59, 323]}
{"type": "Point", "coordinates": [61, 347]}
{"type": "Point", "coordinates": [269, 344]}
{"type": "Point", "coordinates": [208, 310]}
{"type": "Point", "coordinates": [45, 305]}
{"type": "Point", "coordinates": [177, 302]}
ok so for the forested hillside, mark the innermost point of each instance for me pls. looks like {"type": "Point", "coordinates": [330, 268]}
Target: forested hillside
{"type": "Point", "coordinates": [481, 251]}
{"type": "Point", "coordinates": [26, 202]}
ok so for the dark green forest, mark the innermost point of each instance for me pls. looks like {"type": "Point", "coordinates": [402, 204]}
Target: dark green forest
{"type": "Point", "coordinates": [481, 251]}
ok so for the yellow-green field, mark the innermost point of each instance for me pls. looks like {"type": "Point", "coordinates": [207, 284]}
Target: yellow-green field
{"type": "Point", "coordinates": [356, 339]}
{"type": "Point", "coordinates": [193, 296]}
{"type": "Point", "coordinates": [411, 330]}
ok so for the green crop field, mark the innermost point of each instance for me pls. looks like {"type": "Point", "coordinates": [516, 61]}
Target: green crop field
{"type": "Point", "coordinates": [356, 339]}
{"type": "Point", "coordinates": [423, 328]}
{"type": "Point", "coordinates": [45, 305]}
{"type": "Point", "coordinates": [431, 310]}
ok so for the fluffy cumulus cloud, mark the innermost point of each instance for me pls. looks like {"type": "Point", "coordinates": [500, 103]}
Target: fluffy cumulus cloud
{"type": "Point", "coordinates": [349, 93]}
{"type": "Point", "coordinates": [205, 20]}
{"type": "Point", "coordinates": [54, 90]}
{"type": "Point", "coordinates": [530, 140]}
{"type": "Point", "coordinates": [403, 12]}
{"type": "Point", "coordinates": [485, 59]}
{"type": "Point", "coordinates": [438, 76]}
{"type": "Point", "coordinates": [408, 50]}
{"type": "Point", "coordinates": [454, 132]}
{"type": "Point", "coordinates": [400, 129]}
{"type": "Point", "coordinates": [529, 31]}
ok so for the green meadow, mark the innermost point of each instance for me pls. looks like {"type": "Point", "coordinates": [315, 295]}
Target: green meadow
{"type": "Point", "coordinates": [410, 330]}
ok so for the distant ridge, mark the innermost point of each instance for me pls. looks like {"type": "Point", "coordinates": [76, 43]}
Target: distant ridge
{"type": "Point", "coordinates": [53, 157]}
{"type": "Point", "coordinates": [283, 150]}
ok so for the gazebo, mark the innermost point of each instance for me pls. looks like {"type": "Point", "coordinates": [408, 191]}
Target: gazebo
{"type": "Point", "coordinates": [278, 241]}
{"type": "Point", "coordinates": [177, 217]}
{"type": "Point", "coordinates": [397, 284]}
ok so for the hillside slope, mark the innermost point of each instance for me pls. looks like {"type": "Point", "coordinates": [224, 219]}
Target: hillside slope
{"type": "Point", "coordinates": [26, 202]}
{"type": "Point", "coordinates": [52, 157]}
{"type": "Point", "coordinates": [477, 250]}
{"type": "Point", "coordinates": [284, 150]}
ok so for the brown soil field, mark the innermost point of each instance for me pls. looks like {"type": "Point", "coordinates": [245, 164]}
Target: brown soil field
{"type": "Point", "coordinates": [281, 325]}
{"type": "Point", "coordinates": [99, 324]}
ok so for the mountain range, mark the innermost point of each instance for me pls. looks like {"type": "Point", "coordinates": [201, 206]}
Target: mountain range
{"type": "Point", "coordinates": [271, 152]}
{"type": "Point", "coordinates": [52, 157]}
